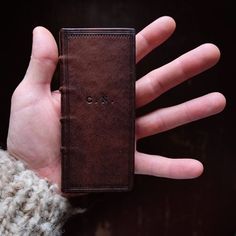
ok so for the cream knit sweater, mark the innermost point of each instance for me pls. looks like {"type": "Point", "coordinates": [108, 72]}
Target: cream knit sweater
{"type": "Point", "coordinates": [29, 205]}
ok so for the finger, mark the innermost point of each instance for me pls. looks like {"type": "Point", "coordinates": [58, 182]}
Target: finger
{"type": "Point", "coordinates": [186, 66]}
{"type": "Point", "coordinates": [44, 58]}
{"type": "Point", "coordinates": [171, 117]}
{"type": "Point", "coordinates": [160, 166]}
{"type": "Point", "coordinates": [153, 35]}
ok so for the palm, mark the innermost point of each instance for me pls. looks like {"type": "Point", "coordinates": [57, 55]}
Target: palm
{"type": "Point", "coordinates": [34, 130]}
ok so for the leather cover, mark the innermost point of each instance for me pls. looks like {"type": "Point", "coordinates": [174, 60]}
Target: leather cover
{"type": "Point", "coordinates": [98, 109]}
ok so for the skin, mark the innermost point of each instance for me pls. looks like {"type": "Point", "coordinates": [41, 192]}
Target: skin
{"type": "Point", "coordinates": [34, 128]}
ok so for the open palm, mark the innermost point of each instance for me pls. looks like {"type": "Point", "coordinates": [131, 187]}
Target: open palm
{"type": "Point", "coordinates": [34, 129]}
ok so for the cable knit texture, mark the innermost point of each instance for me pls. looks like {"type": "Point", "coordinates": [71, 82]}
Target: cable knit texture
{"type": "Point", "coordinates": [29, 205]}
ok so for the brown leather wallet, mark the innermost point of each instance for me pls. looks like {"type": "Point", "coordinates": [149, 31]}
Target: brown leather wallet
{"type": "Point", "coordinates": [98, 109]}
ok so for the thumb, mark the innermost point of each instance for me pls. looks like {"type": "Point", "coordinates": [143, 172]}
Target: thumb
{"type": "Point", "coordinates": [44, 58]}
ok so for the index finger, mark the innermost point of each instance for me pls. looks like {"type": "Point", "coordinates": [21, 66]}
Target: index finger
{"type": "Point", "coordinates": [153, 35]}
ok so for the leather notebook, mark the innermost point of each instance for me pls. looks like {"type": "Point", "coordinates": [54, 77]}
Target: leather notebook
{"type": "Point", "coordinates": [97, 76]}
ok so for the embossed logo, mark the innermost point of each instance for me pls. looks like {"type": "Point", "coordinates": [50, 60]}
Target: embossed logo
{"type": "Point", "coordinates": [103, 100]}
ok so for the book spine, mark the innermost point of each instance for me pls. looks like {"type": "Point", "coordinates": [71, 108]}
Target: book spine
{"type": "Point", "coordinates": [64, 87]}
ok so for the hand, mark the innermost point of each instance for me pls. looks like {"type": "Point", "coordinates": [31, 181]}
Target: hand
{"type": "Point", "coordinates": [34, 129]}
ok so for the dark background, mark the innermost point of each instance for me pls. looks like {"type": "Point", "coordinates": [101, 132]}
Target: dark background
{"type": "Point", "coordinates": [205, 206]}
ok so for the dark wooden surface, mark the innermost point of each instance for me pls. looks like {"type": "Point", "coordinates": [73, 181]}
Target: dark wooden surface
{"type": "Point", "coordinates": [202, 207]}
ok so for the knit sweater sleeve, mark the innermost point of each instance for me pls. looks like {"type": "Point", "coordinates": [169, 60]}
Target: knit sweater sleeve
{"type": "Point", "coordinates": [29, 205]}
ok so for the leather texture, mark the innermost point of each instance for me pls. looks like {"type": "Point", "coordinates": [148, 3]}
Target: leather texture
{"type": "Point", "coordinates": [98, 109]}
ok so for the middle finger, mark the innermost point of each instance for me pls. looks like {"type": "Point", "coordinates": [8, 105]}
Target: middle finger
{"type": "Point", "coordinates": [186, 66]}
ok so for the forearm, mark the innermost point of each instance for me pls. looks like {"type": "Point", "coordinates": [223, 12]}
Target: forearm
{"type": "Point", "coordinates": [29, 205]}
